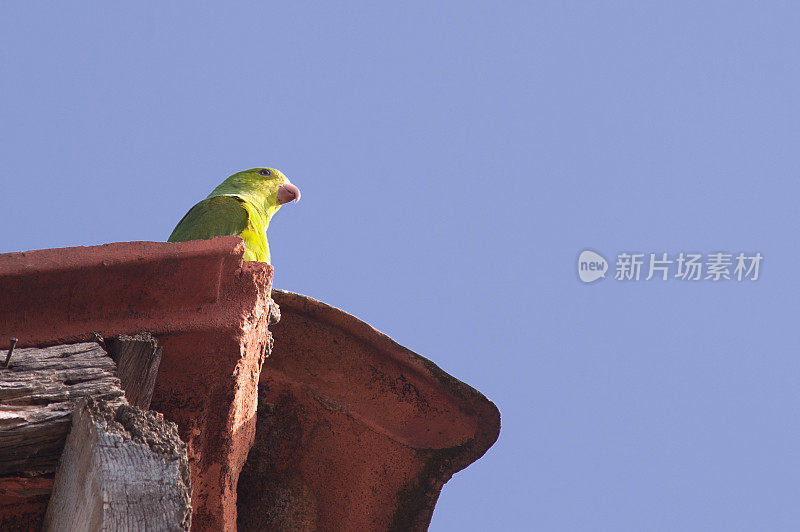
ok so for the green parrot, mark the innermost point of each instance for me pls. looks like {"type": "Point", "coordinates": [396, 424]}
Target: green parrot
{"type": "Point", "coordinates": [241, 205]}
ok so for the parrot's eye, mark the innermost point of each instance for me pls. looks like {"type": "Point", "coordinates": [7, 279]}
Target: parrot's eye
{"type": "Point", "coordinates": [263, 171]}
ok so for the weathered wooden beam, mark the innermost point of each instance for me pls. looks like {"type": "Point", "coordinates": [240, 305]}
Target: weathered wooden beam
{"type": "Point", "coordinates": [137, 359]}
{"type": "Point", "coordinates": [37, 395]}
{"type": "Point", "coordinates": [122, 469]}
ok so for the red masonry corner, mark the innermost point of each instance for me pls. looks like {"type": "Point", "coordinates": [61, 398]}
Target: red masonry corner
{"type": "Point", "coordinates": [209, 313]}
{"type": "Point", "coordinates": [353, 431]}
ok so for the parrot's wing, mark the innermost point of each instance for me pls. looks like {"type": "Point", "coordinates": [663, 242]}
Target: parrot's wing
{"type": "Point", "coordinates": [217, 216]}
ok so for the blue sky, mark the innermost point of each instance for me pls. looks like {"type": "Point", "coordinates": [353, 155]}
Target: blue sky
{"type": "Point", "coordinates": [455, 158]}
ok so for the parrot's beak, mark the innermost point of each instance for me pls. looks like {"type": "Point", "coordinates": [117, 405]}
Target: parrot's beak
{"type": "Point", "coordinates": [288, 192]}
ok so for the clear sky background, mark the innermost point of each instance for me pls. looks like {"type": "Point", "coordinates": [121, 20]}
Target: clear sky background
{"type": "Point", "coordinates": [454, 159]}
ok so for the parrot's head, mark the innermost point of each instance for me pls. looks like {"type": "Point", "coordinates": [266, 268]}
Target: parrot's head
{"type": "Point", "coordinates": [266, 188]}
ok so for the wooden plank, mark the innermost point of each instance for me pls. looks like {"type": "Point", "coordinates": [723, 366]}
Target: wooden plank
{"type": "Point", "coordinates": [122, 469]}
{"type": "Point", "coordinates": [137, 359]}
{"type": "Point", "coordinates": [37, 394]}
